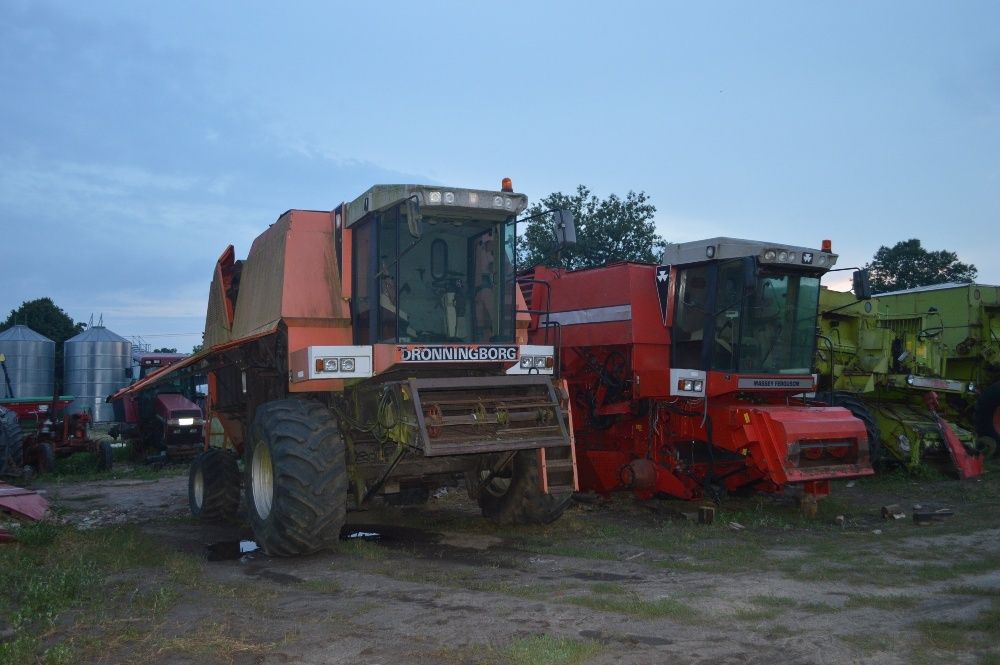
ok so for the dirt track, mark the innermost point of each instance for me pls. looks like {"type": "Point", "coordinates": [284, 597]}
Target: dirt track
{"type": "Point", "coordinates": [630, 582]}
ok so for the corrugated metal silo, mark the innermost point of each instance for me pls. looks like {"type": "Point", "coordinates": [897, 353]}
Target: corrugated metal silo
{"type": "Point", "coordinates": [97, 362]}
{"type": "Point", "coordinates": [31, 361]}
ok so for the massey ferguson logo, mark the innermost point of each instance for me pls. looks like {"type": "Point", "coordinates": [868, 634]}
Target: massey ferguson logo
{"type": "Point", "coordinates": [443, 354]}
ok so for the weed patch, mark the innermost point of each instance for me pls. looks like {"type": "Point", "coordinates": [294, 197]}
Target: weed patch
{"type": "Point", "coordinates": [633, 605]}
{"type": "Point", "coordinates": [548, 650]}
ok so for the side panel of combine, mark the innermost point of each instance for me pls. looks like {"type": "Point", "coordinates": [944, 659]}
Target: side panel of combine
{"type": "Point", "coordinates": [910, 358]}
{"type": "Point", "coordinates": [631, 433]}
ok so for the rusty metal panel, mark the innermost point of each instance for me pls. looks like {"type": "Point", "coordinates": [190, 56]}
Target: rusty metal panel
{"type": "Point", "coordinates": [258, 306]}
{"type": "Point", "coordinates": [218, 320]}
{"type": "Point", "coordinates": [291, 273]}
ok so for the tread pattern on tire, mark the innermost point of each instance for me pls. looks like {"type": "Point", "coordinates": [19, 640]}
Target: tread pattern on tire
{"type": "Point", "coordinates": [986, 405]}
{"type": "Point", "coordinates": [220, 483]}
{"type": "Point", "coordinates": [309, 505]}
{"type": "Point", "coordinates": [523, 502]}
{"type": "Point", "coordinates": [860, 410]}
{"type": "Point", "coordinates": [105, 456]}
{"type": "Point", "coordinates": [11, 443]}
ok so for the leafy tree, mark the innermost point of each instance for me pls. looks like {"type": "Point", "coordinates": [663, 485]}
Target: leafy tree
{"type": "Point", "coordinates": [165, 350]}
{"type": "Point", "coordinates": [608, 230]}
{"type": "Point", "coordinates": [197, 348]}
{"type": "Point", "coordinates": [44, 317]}
{"type": "Point", "coordinates": [907, 265]}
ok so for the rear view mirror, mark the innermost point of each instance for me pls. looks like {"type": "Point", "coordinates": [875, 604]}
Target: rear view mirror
{"type": "Point", "coordinates": [565, 228]}
{"type": "Point", "coordinates": [861, 285]}
{"type": "Point", "coordinates": [414, 219]}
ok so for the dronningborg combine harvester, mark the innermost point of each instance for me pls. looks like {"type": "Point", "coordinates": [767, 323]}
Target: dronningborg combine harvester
{"type": "Point", "coordinates": [687, 378]}
{"type": "Point", "coordinates": [376, 349]}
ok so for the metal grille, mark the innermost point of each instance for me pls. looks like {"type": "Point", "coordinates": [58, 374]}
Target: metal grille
{"type": "Point", "coordinates": [480, 415]}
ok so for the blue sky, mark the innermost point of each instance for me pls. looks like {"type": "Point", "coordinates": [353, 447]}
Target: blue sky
{"type": "Point", "coordinates": [139, 139]}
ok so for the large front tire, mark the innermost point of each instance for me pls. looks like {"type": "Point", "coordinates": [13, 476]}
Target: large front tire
{"type": "Point", "coordinates": [513, 495]}
{"type": "Point", "coordinates": [11, 443]}
{"type": "Point", "coordinates": [296, 479]}
{"type": "Point", "coordinates": [987, 415]}
{"type": "Point", "coordinates": [214, 486]}
{"type": "Point", "coordinates": [105, 456]}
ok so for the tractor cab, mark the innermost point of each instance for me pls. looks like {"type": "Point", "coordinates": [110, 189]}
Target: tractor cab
{"type": "Point", "coordinates": [433, 265]}
{"type": "Point", "coordinates": [741, 307]}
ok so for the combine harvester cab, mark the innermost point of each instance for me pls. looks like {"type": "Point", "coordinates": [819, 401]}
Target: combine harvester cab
{"type": "Point", "coordinates": [921, 366]}
{"type": "Point", "coordinates": [377, 349]}
{"type": "Point", "coordinates": [687, 379]}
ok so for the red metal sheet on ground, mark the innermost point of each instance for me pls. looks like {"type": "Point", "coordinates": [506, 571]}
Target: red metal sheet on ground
{"type": "Point", "coordinates": [22, 502]}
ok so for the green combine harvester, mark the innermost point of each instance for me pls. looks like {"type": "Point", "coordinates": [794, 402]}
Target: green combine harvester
{"type": "Point", "coordinates": [918, 366]}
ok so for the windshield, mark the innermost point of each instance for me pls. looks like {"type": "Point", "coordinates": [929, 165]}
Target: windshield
{"type": "Point", "coordinates": [452, 284]}
{"type": "Point", "coordinates": [769, 328]}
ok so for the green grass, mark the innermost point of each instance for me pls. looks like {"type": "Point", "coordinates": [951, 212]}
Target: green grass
{"type": "Point", "coordinates": [633, 605]}
{"type": "Point", "coordinates": [363, 550]}
{"type": "Point", "coordinates": [970, 590]}
{"type": "Point", "coordinates": [548, 650]}
{"type": "Point", "coordinates": [54, 570]}
{"type": "Point", "coordinates": [82, 467]}
{"type": "Point", "coordinates": [322, 586]}
{"type": "Point", "coordinates": [868, 644]}
{"type": "Point", "coordinates": [882, 602]}
{"type": "Point", "coordinates": [982, 630]}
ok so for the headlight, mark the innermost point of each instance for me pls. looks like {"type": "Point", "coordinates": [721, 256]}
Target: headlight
{"type": "Point", "coordinates": [526, 362]}
{"type": "Point", "coordinates": [331, 364]}
{"type": "Point", "coordinates": [347, 364]}
{"type": "Point", "coordinates": [540, 361]}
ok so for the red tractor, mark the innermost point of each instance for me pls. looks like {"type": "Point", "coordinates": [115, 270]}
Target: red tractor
{"type": "Point", "coordinates": [164, 422]}
{"type": "Point", "coordinates": [688, 379]}
{"type": "Point", "coordinates": [39, 431]}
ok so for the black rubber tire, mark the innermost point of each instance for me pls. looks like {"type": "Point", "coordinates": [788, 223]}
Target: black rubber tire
{"type": "Point", "coordinates": [11, 444]}
{"type": "Point", "coordinates": [985, 413]}
{"type": "Point", "coordinates": [514, 496]}
{"type": "Point", "coordinates": [860, 410]}
{"type": "Point", "coordinates": [46, 458]}
{"type": "Point", "coordinates": [303, 506]}
{"type": "Point", "coordinates": [105, 456]}
{"type": "Point", "coordinates": [214, 486]}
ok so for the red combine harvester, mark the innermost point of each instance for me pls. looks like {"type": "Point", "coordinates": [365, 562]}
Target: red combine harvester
{"type": "Point", "coordinates": [688, 379]}
{"type": "Point", "coordinates": [164, 422]}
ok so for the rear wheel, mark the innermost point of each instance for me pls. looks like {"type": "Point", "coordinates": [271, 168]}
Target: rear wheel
{"type": "Point", "coordinates": [45, 458]}
{"type": "Point", "coordinates": [513, 494]}
{"type": "Point", "coordinates": [105, 456]}
{"type": "Point", "coordinates": [214, 485]}
{"type": "Point", "coordinates": [296, 479]}
{"type": "Point", "coordinates": [11, 443]}
{"type": "Point", "coordinates": [861, 411]}
{"type": "Point", "coordinates": [987, 415]}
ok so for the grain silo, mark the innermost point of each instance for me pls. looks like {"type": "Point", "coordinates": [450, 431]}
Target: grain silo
{"type": "Point", "coordinates": [97, 362]}
{"type": "Point", "coordinates": [31, 361]}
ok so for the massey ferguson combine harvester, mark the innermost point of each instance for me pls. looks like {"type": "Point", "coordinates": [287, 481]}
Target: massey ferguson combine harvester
{"type": "Point", "coordinates": [377, 347]}
{"type": "Point", "coordinates": [686, 377]}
